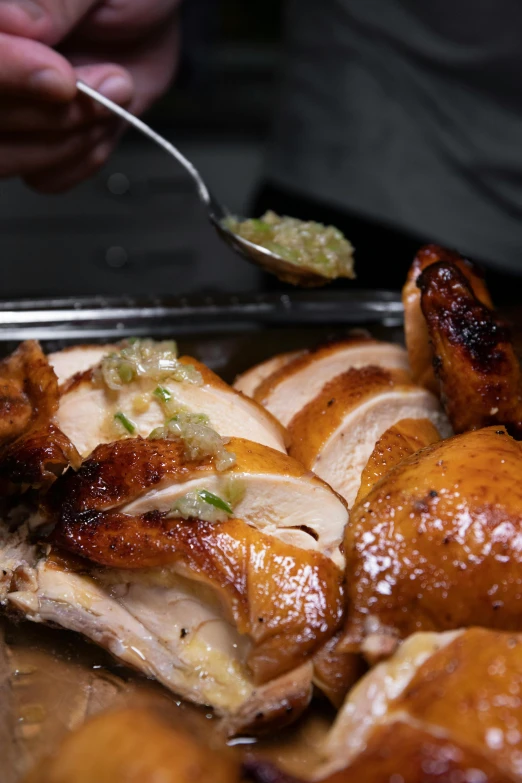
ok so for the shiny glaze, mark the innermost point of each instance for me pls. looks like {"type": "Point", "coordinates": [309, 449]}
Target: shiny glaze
{"type": "Point", "coordinates": [288, 600]}
{"type": "Point", "coordinates": [479, 374]}
{"type": "Point", "coordinates": [407, 754]}
{"type": "Point", "coordinates": [448, 706]}
{"type": "Point", "coordinates": [33, 451]}
{"type": "Point", "coordinates": [416, 332]}
{"type": "Point", "coordinates": [398, 442]}
{"type": "Point", "coordinates": [436, 544]}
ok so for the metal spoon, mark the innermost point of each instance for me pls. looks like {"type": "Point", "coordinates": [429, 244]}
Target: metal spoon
{"type": "Point", "coordinates": [284, 270]}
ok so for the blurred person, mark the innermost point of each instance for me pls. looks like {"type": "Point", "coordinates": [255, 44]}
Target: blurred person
{"type": "Point", "coordinates": [50, 135]}
{"type": "Point", "coordinates": [400, 122]}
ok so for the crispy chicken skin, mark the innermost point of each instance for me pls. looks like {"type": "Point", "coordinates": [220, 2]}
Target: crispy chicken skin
{"type": "Point", "coordinates": [33, 450]}
{"type": "Point", "coordinates": [398, 442]}
{"type": "Point", "coordinates": [416, 331]}
{"type": "Point", "coordinates": [435, 545]}
{"type": "Point", "coordinates": [448, 709]}
{"type": "Point", "coordinates": [280, 497]}
{"type": "Point", "coordinates": [288, 600]}
{"type": "Point", "coordinates": [134, 745]}
{"type": "Point", "coordinates": [28, 388]}
{"type": "Point", "coordinates": [479, 374]}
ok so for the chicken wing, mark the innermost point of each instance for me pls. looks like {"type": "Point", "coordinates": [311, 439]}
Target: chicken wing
{"type": "Point", "coordinates": [415, 329]}
{"type": "Point", "coordinates": [479, 374]}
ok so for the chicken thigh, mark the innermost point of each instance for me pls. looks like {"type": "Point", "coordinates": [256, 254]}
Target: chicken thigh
{"type": "Point", "coordinates": [436, 543]}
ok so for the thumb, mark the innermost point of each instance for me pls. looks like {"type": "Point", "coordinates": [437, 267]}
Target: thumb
{"type": "Point", "coordinates": [110, 79]}
{"type": "Point", "coordinates": [29, 67]}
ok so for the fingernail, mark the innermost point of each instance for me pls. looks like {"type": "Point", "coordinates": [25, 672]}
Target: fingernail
{"type": "Point", "coordinates": [31, 8]}
{"type": "Point", "coordinates": [49, 83]}
{"type": "Point", "coordinates": [118, 88]}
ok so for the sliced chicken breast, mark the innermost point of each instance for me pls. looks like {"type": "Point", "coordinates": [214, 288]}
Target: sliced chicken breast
{"type": "Point", "coordinates": [249, 381]}
{"type": "Point", "coordinates": [277, 496]}
{"type": "Point", "coordinates": [335, 434]}
{"type": "Point", "coordinates": [170, 627]}
{"type": "Point", "coordinates": [215, 609]}
{"type": "Point", "coordinates": [77, 358]}
{"type": "Point", "coordinates": [87, 409]}
{"type": "Point", "coordinates": [288, 390]}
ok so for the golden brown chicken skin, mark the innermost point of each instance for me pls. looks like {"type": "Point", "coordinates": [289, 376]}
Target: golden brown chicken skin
{"type": "Point", "coordinates": [448, 708]}
{"type": "Point", "coordinates": [400, 752]}
{"type": "Point", "coordinates": [398, 442]}
{"type": "Point", "coordinates": [479, 374]}
{"type": "Point", "coordinates": [435, 545]}
{"type": "Point", "coordinates": [33, 450]}
{"type": "Point", "coordinates": [416, 331]}
{"type": "Point", "coordinates": [288, 600]}
{"type": "Point", "coordinates": [134, 745]}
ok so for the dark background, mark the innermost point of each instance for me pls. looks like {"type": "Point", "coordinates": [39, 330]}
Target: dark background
{"type": "Point", "coordinates": [138, 227]}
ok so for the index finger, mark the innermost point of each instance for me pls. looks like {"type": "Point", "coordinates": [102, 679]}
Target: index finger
{"type": "Point", "coordinates": [30, 68]}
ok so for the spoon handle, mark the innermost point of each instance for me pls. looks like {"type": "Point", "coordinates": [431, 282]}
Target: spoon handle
{"type": "Point", "coordinates": [202, 189]}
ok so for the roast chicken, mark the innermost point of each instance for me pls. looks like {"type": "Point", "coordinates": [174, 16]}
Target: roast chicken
{"type": "Point", "coordinates": [435, 544]}
{"type": "Point", "coordinates": [134, 745]}
{"type": "Point", "coordinates": [415, 329]}
{"type": "Point", "coordinates": [446, 707]}
{"type": "Point", "coordinates": [479, 373]}
{"type": "Point", "coordinates": [155, 510]}
{"type": "Point", "coordinates": [457, 345]}
{"type": "Point", "coordinates": [33, 450]}
{"type": "Point", "coordinates": [297, 382]}
{"type": "Point", "coordinates": [226, 612]}
{"type": "Point", "coordinates": [336, 432]}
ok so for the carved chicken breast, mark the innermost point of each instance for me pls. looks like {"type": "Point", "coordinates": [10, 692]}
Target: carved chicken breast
{"type": "Point", "coordinates": [479, 373]}
{"type": "Point", "coordinates": [77, 359]}
{"type": "Point", "coordinates": [334, 435]}
{"type": "Point", "coordinates": [416, 331]}
{"type": "Point", "coordinates": [88, 407]}
{"type": "Point", "coordinates": [217, 610]}
{"type": "Point", "coordinates": [445, 707]}
{"type": "Point", "coordinates": [435, 544]}
{"type": "Point", "coordinates": [288, 390]}
{"type": "Point", "coordinates": [249, 381]}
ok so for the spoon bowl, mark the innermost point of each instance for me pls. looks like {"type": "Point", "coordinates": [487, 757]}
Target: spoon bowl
{"type": "Point", "coordinates": [287, 271]}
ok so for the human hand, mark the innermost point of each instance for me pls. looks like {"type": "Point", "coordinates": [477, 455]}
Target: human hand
{"type": "Point", "coordinates": [50, 135]}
